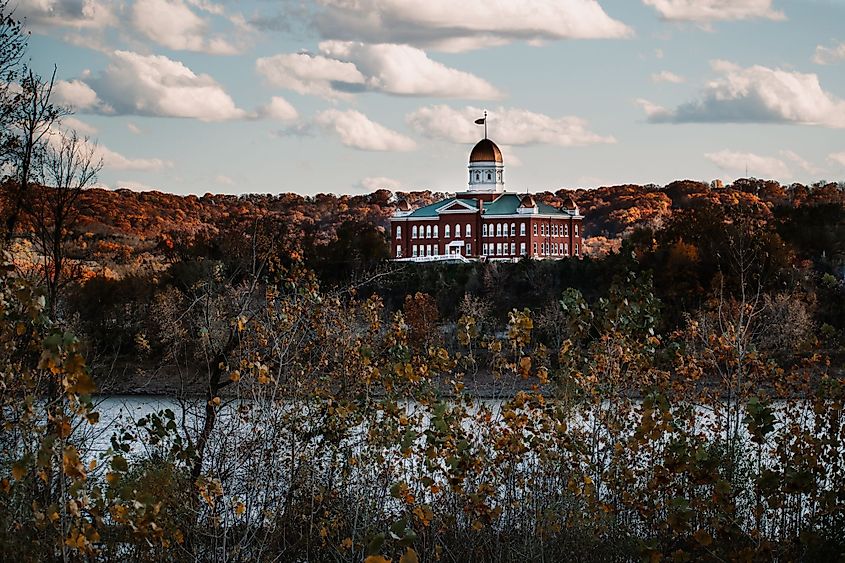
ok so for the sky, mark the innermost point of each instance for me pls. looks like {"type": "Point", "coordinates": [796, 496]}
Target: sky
{"type": "Point", "coordinates": [349, 96]}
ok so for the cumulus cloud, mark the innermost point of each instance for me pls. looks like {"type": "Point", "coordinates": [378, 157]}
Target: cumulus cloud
{"type": "Point", "coordinates": [278, 108]}
{"type": "Point", "coordinates": [84, 129]}
{"type": "Point", "coordinates": [81, 14]}
{"type": "Point", "coordinates": [829, 55]}
{"type": "Point", "coordinates": [173, 24]}
{"type": "Point", "coordinates": [469, 24]}
{"type": "Point", "coordinates": [800, 161]}
{"type": "Point", "coordinates": [134, 129]}
{"type": "Point", "coordinates": [759, 166]}
{"type": "Point", "coordinates": [838, 157]}
{"type": "Point", "coordinates": [373, 183]}
{"type": "Point", "coordinates": [116, 161]}
{"type": "Point", "coordinates": [134, 84]}
{"type": "Point", "coordinates": [345, 67]}
{"type": "Point", "coordinates": [756, 94]}
{"type": "Point", "coordinates": [356, 130]}
{"type": "Point", "coordinates": [667, 76]}
{"type": "Point", "coordinates": [75, 94]}
{"type": "Point", "coordinates": [706, 11]}
{"type": "Point", "coordinates": [509, 126]}
{"type": "Point", "coordinates": [307, 73]}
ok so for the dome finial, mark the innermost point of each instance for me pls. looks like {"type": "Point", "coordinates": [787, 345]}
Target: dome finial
{"type": "Point", "coordinates": [483, 121]}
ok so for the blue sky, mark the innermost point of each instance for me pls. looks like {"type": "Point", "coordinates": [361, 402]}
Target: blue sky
{"type": "Point", "coordinates": [347, 96]}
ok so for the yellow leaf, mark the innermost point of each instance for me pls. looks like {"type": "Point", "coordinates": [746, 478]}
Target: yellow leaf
{"type": "Point", "coordinates": [346, 543]}
{"type": "Point", "coordinates": [235, 376]}
{"type": "Point", "coordinates": [410, 556]}
{"type": "Point", "coordinates": [92, 465]}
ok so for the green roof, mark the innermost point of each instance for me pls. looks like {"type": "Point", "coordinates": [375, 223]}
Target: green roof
{"type": "Point", "coordinates": [431, 209]}
{"type": "Point", "coordinates": [505, 204]}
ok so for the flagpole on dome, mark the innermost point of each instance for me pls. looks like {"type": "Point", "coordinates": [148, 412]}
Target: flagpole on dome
{"type": "Point", "coordinates": [483, 121]}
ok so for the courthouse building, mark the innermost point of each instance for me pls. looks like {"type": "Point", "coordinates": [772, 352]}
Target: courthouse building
{"type": "Point", "coordinates": [485, 221]}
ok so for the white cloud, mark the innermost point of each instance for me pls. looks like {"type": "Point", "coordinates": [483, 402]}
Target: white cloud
{"type": "Point", "coordinates": [134, 84]}
{"type": "Point", "coordinates": [407, 71]}
{"type": "Point", "coordinates": [706, 11]}
{"type": "Point", "coordinates": [134, 129]}
{"type": "Point", "coordinates": [116, 161]}
{"type": "Point", "coordinates": [508, 126]}
{"type": "Point", "coordinates": [345, 67]}
{"type": "Point", "coordinates": [373, 183]}
{"type": "Point", "coordinates": [278, 108]}
{"type": "Point", "coordinates": [75, 94]}
{"type": "Point", "coordinates": [81, 14]}
{"type": "Point", "coordinates": [357, 131]}
{"type": "Point", "coordinates": [468, 24]}
{"type": "Point", "coordinates": [838, 157]}
{"type": "Point", "coordinates": [82, 128]}
{"type": "Point", "coordinates": [758, 166]}
{"type": "Point", "coordinates": [306, 73]}
{"type": "Point", "coordinates": [667, 76]}
{"type": "Point", "coordinates": [756, 94]}
{"type": "Point", "coordinates": [224, 180]}
{"type": "Point", "coordinates": [174, 25]}
{"type": "Point", "coordinates": [829, 55]}
{"type": "Point", "coordinates": [800, 161]}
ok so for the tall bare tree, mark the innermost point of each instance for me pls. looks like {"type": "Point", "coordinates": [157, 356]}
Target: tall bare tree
{"type": "Point", "coordinates": [70, 164]}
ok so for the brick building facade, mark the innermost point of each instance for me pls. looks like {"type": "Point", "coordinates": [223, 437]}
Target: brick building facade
{"type": "Point", "coordinates": [485, 221]}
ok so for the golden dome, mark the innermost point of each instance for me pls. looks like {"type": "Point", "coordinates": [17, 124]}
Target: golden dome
{"type": "Point", "coordinates": [485, 151]}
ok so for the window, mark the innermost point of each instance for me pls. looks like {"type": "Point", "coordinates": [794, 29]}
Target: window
{"type": "Point", "coordinates": [428, 231]}
{"type": "Point", "coordinates": [469, 249]}
{"type": "Point", "coordinates": [398, 251]}
{"type": "Point", "coordinates": [399, 231]}
{"type": "Point", "coordinates": [535, 248]}
{"type": "Point", "coordinates": [566, 249]}
{"type": "Point", "coordinates": [457, 231]}
{"type": "Point", "coordinates": [477, 177]}
{"type": "Point", "coordinates": [469, 230]}
{"type": "Point", "coordinates": [428, 250]}
{"type": "Point", "coordinates": [446, 231]}
{"type": "Point", "coordinates": [513, 248]}
{"type": "Point", "coordinates": [576, 234]}
{"type": "Point", "coordinates": [513, 229]}
{"type": "Point", "coordinates": [535, 234]}
{"type": "Point", "coordinates": [414, 232]}
{"type": "Point", "coordinates": [566, 230]}
{"type": "Point", "coordinates": [414, 250]}
{"type": "Point", "coordinates": [576, 250]}
{"type": "Point", "coordinates": [498, 229]}
{"type": "Point", "coordinates": [435, 232]}
{"type": "Point", "coordinates": [489, 177]}
{"type": "Point", "coordinates": [522, 247]}
{"type": "Point", "coordinates": [484, 249]}
{"type": "Point", "coordinates": [498, 249]}
{"type": "Point", "coordinates": [484, 230]}
{"type": "Point", "coordinates": [522, 229]}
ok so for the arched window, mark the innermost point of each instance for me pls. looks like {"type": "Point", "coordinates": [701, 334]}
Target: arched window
{"type": "Point", "coordinates": [477, 176]}
{"type": "Point", "coordinates": [399, 231]}
{"type": "Point", "coordinates": [469, 230]}
{"type": "Point", "coordinates": [484, 231]}
{"type": "Point", "coordinates": [576, 234]}
{"type": "Point", "coordinates": [535, 234]}
{"type": "Point", "coordinates": [566, 230]}
{"type": "Point", "coordinates": [428, 231]}
{"type": "Point", "coordinates": [498, 229]}
{"type": "Point", "coordinates": [513, 229]}
{"type": "Point", "coordinates": [489, 176]}
{"type": "Point", "coordinates": [513, 248]}
{"type": "Point", "coordinates": [522, 230]}
{"type": "Point", "coordinates": [554, 230]}
{"type": "Point", "coordinates": [446, 231]}
{"type": "Point", "coordinates": [414, 231]}
{"type": "Point", "coordinates": [457, 231]}
{"type": "Point", "coordinates": [436, 229]}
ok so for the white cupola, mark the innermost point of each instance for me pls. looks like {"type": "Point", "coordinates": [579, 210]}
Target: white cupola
{"type": "Point", "coordinates": [486, 169]}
